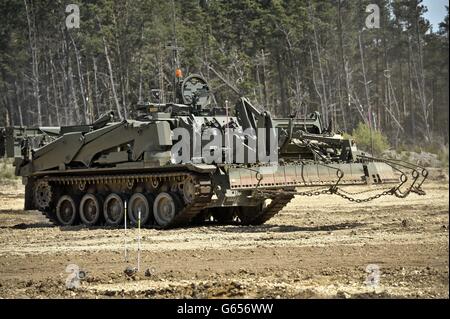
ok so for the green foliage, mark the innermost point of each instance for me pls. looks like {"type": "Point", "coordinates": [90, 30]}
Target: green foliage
{"type": "Point", "coordinates": [285, 55]}
{"type": "Point", "coordinates": [363, 139]}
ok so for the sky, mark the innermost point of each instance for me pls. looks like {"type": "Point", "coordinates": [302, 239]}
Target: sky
{"type": "Point", "coordinates": [436, 11]}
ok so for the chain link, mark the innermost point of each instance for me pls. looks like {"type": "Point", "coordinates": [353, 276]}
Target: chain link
{"type": "Point", "coordinates": [363, 191]}
{"type": "Point", "coordinates": [315, 192]}
{"type": "Point", "coordinates": [334, 190]}
{"type": "Point", "coordinates": [341, 193]}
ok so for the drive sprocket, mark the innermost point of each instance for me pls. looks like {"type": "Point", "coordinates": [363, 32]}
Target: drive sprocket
{"type": "Point", "coordinates": [42, 195]}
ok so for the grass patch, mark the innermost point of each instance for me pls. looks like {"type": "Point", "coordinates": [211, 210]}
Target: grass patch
{"type": "Point", "coordinates": [361, 135]}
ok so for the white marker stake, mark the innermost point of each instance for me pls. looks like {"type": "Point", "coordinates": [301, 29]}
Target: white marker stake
{"type": "Point", "coordinates": [125, 233]}
{"type": "Point", "coordinates": [139, 240]}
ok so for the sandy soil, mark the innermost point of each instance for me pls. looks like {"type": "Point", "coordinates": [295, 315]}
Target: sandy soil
{"type": "Point", "coordinates": [318, 247]}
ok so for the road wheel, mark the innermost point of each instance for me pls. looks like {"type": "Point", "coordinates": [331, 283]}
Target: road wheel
{"type": "Point", "coordinates": [42, 195]}
{"type": "Point", "coordinates": [165, 208]}
{"type": "Point", "coordinates": [90, 210]}
{"type": "Point", "coordinates": [66, 211]}
{"type": "Point", "coordinates": [144, 204]}
{"type": "Point", "coordinates": [113, 210]}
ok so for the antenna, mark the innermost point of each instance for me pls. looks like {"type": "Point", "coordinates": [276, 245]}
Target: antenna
{"type": "Point", "coordinates": [177, 74]}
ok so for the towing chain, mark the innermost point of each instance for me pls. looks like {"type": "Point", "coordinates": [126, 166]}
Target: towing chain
{"type": "Point", "coordinates": [342, 194]}
{"type": "Point", "coordinates": [334, 190]}
{"type": "Point", "coordinates": [363, 191]}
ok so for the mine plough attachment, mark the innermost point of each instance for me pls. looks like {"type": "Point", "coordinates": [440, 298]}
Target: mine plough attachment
{"type": "Point", "coordinates": [418, 173]}
{"type": "Point", "coordinates": [375, 173]}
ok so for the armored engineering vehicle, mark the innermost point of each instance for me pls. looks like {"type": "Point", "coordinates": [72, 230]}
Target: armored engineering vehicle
{"type": "Point", "coordinates": [144, 170]}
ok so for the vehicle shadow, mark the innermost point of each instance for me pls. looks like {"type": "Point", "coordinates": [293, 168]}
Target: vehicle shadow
{"type": "Point", "coordinates": [290, 228]}
{"type": "Point", "coordinates": [28, 226]}
{"type": "Point", "coordinates": [50, 225]}
{"type": "Point", "coordinates": [214, 226]}
{"type": "Point", "coordinates": [13, 211]}
{"type": "Point", "coordinates": [20, 217]}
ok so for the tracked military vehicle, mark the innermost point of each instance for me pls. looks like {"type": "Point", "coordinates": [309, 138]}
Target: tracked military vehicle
{"type": "Point", "coordinates": [102, 173]}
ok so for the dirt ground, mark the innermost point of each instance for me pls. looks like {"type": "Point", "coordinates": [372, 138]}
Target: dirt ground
{"type": "Point", "coordinates": [323, 247]}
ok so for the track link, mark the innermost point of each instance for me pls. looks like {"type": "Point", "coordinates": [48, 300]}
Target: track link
{"type": "Point", "coordinates": [277, 204]}
{"type": "Point", "coordinates": [203, 193]}
{"type": "Point", "coordinates": [201, 199]}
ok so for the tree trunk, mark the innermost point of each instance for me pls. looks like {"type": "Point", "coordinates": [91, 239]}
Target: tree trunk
{"type": "Point", "coordinates": [80, 80]}
{"type": "Point", "coordinates": [55, 91]}
{"type": "Point", "coordinates": [73, 92]}
{"type": "Point", "coordinates": [18, 102]}
{"type": "Point", "coordinates": [111, 78]}
{"type": "Point", "coordinates": [284, 101]}
{"type": "Point", "coordinates": [34, 61]}
{"type": "Point", "coordinates": [324, 99]}
{"type": "Point", "coordinates": [95, 95]}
